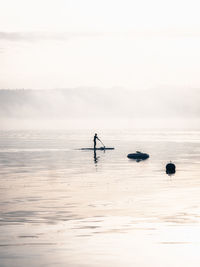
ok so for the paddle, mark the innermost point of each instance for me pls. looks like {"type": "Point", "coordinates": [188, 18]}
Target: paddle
{"type": "Point", "coordinates": [102, 143]}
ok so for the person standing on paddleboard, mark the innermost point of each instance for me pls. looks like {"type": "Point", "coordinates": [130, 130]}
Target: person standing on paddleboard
{"type": "Point", "coordinates": [95, 140]}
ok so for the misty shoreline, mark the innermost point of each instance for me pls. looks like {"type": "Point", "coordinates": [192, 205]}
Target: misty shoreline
{"type": "Point", "coordinates": [99, 108]}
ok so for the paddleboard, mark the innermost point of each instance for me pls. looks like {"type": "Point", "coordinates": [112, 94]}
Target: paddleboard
{"type": "Point", "coordinates": [98, 148]}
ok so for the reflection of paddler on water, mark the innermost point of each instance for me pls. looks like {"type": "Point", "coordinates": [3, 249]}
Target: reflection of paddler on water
{"type": "Point", "coordinates": [95, 141]}
{"type": "Point", "coordinates": [95, 157]}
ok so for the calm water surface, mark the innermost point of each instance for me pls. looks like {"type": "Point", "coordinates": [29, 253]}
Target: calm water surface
{"type": "Point", "coordinates": [60, 206]}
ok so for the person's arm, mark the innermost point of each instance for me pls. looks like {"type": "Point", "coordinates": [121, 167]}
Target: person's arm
{"type": "Point", "coordinates": [101, 142]}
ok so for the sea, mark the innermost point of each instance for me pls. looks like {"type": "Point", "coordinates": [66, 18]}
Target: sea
{"type": "Point", "coordinates": [63, 206]}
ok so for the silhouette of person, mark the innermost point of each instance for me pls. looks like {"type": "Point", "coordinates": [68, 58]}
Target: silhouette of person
{"type": "Point", "coordinates": [95, 142]}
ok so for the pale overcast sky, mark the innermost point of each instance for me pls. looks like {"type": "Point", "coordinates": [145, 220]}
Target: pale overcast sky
{"type": "Point", "coordinates": [105, 43]}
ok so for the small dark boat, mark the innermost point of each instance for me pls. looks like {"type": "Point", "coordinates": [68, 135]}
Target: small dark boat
{"type": "Point", "coordinates": [170, 168]}
{"type": "Point", "coordinates": [138, 156]}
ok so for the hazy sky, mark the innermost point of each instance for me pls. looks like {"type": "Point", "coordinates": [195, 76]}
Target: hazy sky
{"type": "Point", "coordinates": [135, 44]}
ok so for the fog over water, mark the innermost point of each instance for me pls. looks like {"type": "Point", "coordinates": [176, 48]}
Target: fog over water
{"type": "Point", "coordinates": [128, 71]}
{"type": "Point", "coordinates": [90, 108]}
